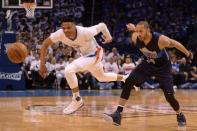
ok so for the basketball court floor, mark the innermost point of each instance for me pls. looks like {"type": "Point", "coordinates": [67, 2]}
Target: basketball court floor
{"type": "Point", "coordinates": [41, 110]}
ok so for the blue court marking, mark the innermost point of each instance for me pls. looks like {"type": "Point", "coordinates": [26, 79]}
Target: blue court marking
{"type": "Point", "coordinates": [26, 93]}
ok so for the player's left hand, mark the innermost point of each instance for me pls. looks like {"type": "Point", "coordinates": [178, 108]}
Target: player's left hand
{"type": "Point", "coordinates": [130, 27]}
{"type": "Point", "coordinates": [106, 40]}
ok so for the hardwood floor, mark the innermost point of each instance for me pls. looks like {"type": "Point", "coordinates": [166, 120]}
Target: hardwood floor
{"type": "Point", "coordinates": [146, 110]}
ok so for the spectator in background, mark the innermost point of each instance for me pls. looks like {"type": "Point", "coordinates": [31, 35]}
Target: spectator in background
{"type": "Point", "coordinates": [111, 66]}
{"type": "Point", "coordinates": [113, 53]}
{"type": "Point", "coordinates": [179, 76]}
{"type": "Point", "coordinates": [34, 68]}
{"type": "Point", "coordinates": [85, 80]}
{"type": "Point", "coordinates": [49, 80]}
{"type": "Point", "coordinates": [128, 66]}
{"type": "Point", "coordinates": [192, 82]}
{"type": "Point", "coordinates": [60, 71]}
{"type": "Point", "coordinates": [105, 55]}
{"type": "Point", "coordinates": [120, 64]}
{"type": "Point", "coordinates": [193, 74]}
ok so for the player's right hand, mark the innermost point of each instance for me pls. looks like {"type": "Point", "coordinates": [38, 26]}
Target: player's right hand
{"type": "Point", "coordinates": [190, 55]}
{"type": "Point", "coordinates": [130, 27]}
{"type": "Point", "coordinates": [43, 71]}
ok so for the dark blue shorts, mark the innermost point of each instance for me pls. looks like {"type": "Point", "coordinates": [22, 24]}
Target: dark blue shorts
{"type": "Point", "coordinates": [145, 71]}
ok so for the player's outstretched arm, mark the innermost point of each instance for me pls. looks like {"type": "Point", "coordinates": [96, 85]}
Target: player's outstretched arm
{"type": "Point", "coordinates": [43, 52]}
{"type": "Point", "coordinates": [165, 42]}
{"type": "Point", "coordinates": [96, 29]}
{"type": "Point", "coordinates": [101, 27]}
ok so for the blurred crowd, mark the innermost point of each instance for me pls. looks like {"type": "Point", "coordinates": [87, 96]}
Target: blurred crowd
{"type": "Point", "coordinates": [172, 18]}
{"type": "Point", "coordinates": [176, 19]}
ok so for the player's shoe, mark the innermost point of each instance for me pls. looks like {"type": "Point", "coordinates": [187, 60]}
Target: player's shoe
{"type": "Point", "coordinates": [114, 118]}
{"type": "Point", "coordinates": [181, 119]}
{"type": "Point", "coordinates": [74, 105]}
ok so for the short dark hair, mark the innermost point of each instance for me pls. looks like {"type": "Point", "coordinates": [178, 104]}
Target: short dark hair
{"type": "Point", "coordinates": [68, 19]}
{"type": "Point", "coordinates": [145, 23]}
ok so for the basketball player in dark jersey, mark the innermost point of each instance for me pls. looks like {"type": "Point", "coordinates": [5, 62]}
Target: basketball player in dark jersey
{"type": "Point", "coordinates": [157, 63]}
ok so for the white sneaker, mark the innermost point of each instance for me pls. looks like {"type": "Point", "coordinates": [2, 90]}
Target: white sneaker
{"type": "Point", "coordinates": [73, 106]}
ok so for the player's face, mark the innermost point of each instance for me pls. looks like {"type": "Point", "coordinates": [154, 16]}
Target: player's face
{"type": "Point", "coordinates": [69, 28]}
{"type": "Point", "coordinates": [141, 32]}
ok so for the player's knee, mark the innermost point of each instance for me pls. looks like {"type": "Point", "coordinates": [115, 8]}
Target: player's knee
{"type": "Point", "coordinates": [100, 79]}
{"type": "Point", "coordinates": [130, 81]}
{"type": "Point", "coordinates": [127, 86]}
{"type": "Point", "coordinates": [169, 97]}
{"type": "Point", "coordinates": [69, 70]}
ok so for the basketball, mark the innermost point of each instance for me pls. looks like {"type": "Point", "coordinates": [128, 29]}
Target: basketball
{"type": "Point", "coordinates": [17, 52]}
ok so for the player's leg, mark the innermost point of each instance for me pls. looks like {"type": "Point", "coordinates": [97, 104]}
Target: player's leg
{"type": "Point", "coordinates": [98, 72]}
{"type": "Point", "coordinates": [70, 75]}
{"type": "Point", "coordinates": [138, 76]}
{"type": "Point", "coordinates": [166, 84]}
{"type": "Point", "coordinates": [81, 64]}
{"type": "Point", "coordinates": [165, 79]}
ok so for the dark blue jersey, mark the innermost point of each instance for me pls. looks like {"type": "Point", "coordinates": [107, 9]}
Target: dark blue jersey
{"type": "Point", "coordinates": [152, 52]}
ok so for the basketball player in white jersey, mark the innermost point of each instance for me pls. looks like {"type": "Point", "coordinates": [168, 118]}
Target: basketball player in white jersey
{"type": "Point", "coordinates": [82, 39]}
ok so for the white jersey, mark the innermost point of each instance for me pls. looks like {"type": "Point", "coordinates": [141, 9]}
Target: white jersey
{"type": "Point", "coordinates": [84, 41]}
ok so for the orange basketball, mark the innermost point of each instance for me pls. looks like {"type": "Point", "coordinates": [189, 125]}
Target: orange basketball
{"type": "Point", "coordinates": [17, 52]}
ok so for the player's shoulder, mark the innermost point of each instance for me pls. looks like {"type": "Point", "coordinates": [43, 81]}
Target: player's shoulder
{"type": "Point", "coordinates": [159, 35]}
{"type": "Point", "coordinates": [80, 27]}
{"type": "Point", "coordinates": [164, 41]}
{"type": "Point", "coordinates": [163, 38]}
{"type": "Point", "coordinates": [59, 31]}
{"type": "Point", "coordinates": [82, 30]}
